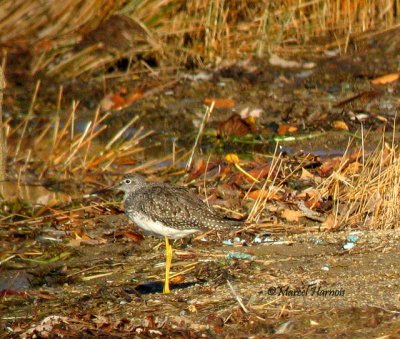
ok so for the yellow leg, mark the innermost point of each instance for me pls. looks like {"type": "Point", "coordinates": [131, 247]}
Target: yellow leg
{"type": "Point", "coordinates": [168, 261]}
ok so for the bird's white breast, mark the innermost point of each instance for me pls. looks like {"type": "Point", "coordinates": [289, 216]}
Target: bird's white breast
{"type": "Point", "coordinates": [158, 228]}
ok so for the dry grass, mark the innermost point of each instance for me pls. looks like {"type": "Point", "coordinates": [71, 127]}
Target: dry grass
{"type": "Point", "coordinates": [366, 191]}
{"type": "Point", "coordinates": [64, 42]}
{"type": "Point", "coordinates": [59, 148]}
{"type": "Point", "coordinates": [76, 38]}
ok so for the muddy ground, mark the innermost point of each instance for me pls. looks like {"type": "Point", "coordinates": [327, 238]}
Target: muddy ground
{"type": "Point", "coordinates": [103, 281]}
{"type": "Point", "coordinates": [299, 285]}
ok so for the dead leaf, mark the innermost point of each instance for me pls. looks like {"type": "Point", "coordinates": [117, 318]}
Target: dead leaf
{"type": "Point", "coordinates": [381, 118]}
{"type": "Point", "coordinates": [328, 166]}
{"type": "Point", "coordinates": [79, 242]}
{"type": "Point", "coordinates": [306, 174]}
{"type": "Point", "coordinates": [312, 197]}
{"type": "Point", "coordinates": [340, 125]}
{"type": "Point", "coordinates": [81, 235]}
{"type": "Point", "coordinates": [260, 172]}
{"type": "Point", "coordinates": [270, 194]}
{"type": "Point", "coordinates": [132, 235]}
{"type": "Point", "coordinates": [113, 99]}
{"type": "Point", "coordinates": [220, 103]}
{"type": "Point", "coordinates": [330, 222]}
{"type": "Point", "coordinates": [74, 242]}
{"type": "Point", "coordinates": [286, 129]}
{"type": "Point", "coordinates": [133, 97]}
{"type": "Point", "coordinates": [200, 167]}
{"type": "Point", "coordinates": [46, 326]}
{"type": "Point", "coordinates": [235, 125]}
{"type": "Point", "coordinates": [291, 215]}
{"type": "Point", "coordinates": [177, 279]}
{"type": "Point", "coordinates": [258, 194]}
{"type": "Point", "coordinates": [120, 99]}
{"type": "Point", "coordinates": [386, 79]}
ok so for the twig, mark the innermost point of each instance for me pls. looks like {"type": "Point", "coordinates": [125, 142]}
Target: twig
{"type": "Point", "coordinates": [238, 298]}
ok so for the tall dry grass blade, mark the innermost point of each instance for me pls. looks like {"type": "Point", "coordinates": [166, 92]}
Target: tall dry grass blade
{"type": "Point", "coordinates": [27, 119]}
{"type": "Point", "coordinates": [262, 199]}
{"type": "Point", "coordinates": [57, 119]}
{"type": "Point", "coordinates": [118, 135]}
{"type": "Point", "coordinates": [67, 125]}
{"type": "Point", "coordinates": [89, 143]}
{"type": "Point", "coordinates": [41, 136]}
{"type": "Point", "coordinates": [204, 121]}
{"type": "Point", "coordinates": [77, 146]}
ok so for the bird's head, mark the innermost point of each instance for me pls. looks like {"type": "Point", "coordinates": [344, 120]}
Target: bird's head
{"type": "Point", "coordinates": [131, 183]}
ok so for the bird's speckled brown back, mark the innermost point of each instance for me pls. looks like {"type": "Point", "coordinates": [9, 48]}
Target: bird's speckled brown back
{"type": "Point", "coordinates": [173, 206]}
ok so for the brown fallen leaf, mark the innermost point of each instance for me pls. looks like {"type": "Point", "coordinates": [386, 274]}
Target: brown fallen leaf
{"type": "Point", "coordinates": [260, 172]}
{"type": "Point", "coordinates": [386, 79]}
{"type": "Point", "coordinates": [330, 222]}
{"type": "Point", "coordinates": [113, 99]}
{"type": "Point", "coordinates": [291, 215]}
{"type": "Point", "coordinates": [286, 129]}
{"type": "Point", "coordinates": [235, 125]}
{"type": "Point", "coordinates": [258, 194]}
{"type": "Point", "coordinates": [132, 235]}
{"type": "Point", "coordinates": [340, 125]}
{"type": "Point", "coordinates": [312, 197]}
{"type": "Point", "coordinates": [120, 99]}
{"type": "Point", "coordinates": [306, 174]}
{"type": "Point", "coordinates": [271, 193]}
{"type": "Point", "coordinates": [200, 167]}
{"type": "Point", "coordinates": [134, 96]}
{"type": "Point", "coordinates": [328, 166]}
{"type": "Point", "coordinates": [129, 234]}
{"type": "Point", "coordinates": [220, 103]}
{"type": "Point", "coordinates": [78, 242]}
{"type": "Point", "coordinates": [177, 279]}
{"type": "Point", "coordinates": [81, 235]}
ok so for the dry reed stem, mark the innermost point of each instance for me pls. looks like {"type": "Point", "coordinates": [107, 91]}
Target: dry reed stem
{"type": "Point", "coordinates": [262, 199]}
{"type": "Point", "coordinates": [206, 116]}
{"type": "Point", "coordinates": [118, 135]}
{"type": "Point", "coordinates": [27, 119]}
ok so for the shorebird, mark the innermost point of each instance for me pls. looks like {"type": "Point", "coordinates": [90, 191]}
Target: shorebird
{"type": "Point", "coordinates": [169, 211]}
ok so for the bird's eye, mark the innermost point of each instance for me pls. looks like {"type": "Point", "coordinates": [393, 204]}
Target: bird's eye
{"type": "Point", "coordinates": [127, 181]}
